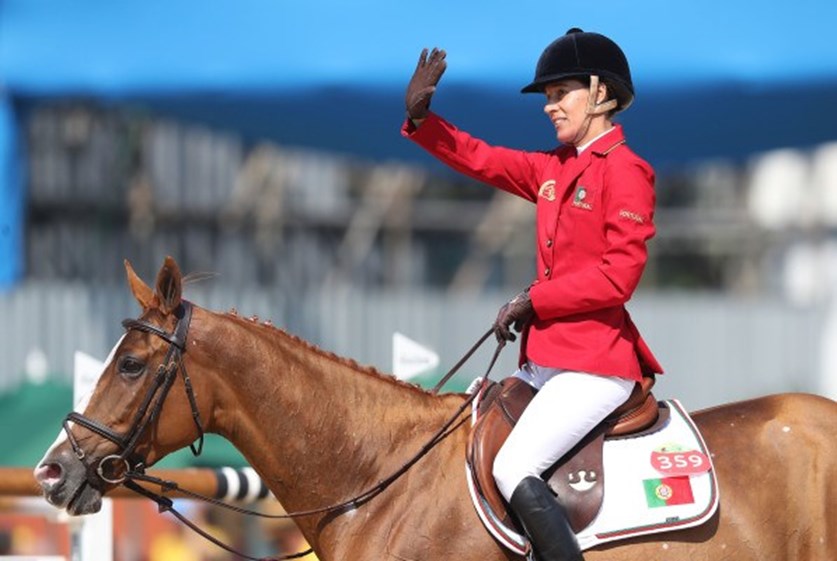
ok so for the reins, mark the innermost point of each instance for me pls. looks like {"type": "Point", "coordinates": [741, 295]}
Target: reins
{"type": "Point", "coordinates": [467, 356]}
{"type": "Point", "coordinates": [165, 377]}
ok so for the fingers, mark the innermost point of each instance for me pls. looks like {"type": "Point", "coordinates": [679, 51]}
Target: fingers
{"type": "Point", "coordinates": [422, 61]}
{"type": "Point", "coordinates": [437, 56]}
{"type": "Point", "coordinates": [436, 60]}
{"type": "Point", "coordinates": [437, 64]}
{"type": "Point", "coordinates": [501, 329]}
{"type": "Point", "coordinates": [502, 333]}
{"type": "Point", "coordinates": [501, 326]}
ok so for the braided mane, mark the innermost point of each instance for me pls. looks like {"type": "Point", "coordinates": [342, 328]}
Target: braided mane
{"type": "Point", "coordinates": [253, 321]}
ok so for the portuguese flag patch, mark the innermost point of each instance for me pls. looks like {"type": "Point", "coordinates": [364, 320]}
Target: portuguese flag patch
{"type": "Point", "coordinates": [668, 491]}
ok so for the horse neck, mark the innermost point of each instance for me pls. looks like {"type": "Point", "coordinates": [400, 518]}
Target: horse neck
{"type": "Point", "coordinates": [316, 427]}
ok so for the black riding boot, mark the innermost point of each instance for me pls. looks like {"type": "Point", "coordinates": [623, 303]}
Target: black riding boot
{"type": "Point", "coordinates": [544, 521]}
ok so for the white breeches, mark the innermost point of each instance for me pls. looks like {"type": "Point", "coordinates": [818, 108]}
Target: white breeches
{"type": "Point", "coordinates": [567, 406]}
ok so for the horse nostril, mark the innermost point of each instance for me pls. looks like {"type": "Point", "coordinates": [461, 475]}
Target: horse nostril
{"type": "Point", "coordinates": [48, 475]}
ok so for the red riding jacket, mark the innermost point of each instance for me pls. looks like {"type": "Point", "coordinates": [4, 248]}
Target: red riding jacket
{"type": "Point", "coordinates": [594, 216]}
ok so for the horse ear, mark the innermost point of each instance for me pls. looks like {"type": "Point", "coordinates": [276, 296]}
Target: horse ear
{"type": "Point", "coordinates": [169, 286]}
{"type": "Point", "coordinates": [142, 292]}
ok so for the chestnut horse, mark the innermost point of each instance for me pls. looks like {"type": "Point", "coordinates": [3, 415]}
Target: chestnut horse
{"type": "Point", "coordinates": [319, 429]}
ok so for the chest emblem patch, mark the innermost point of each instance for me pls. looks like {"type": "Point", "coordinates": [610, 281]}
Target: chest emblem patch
{"type": "Point", "coordinates": [547, 190]}
{"type": "Point", "coordinates": [580, 198]}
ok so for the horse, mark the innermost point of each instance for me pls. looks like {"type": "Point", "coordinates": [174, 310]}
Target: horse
{"type": "Point", "coordinates": [319, 429]}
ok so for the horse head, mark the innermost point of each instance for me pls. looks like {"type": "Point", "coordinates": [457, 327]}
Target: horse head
{"type": "Point", "coordinates": [143, 386]}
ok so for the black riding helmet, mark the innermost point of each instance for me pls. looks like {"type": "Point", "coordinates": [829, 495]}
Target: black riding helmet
{"type": "Point", "coordinates": [584, 54]}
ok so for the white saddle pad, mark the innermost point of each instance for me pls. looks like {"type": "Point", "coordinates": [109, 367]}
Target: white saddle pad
{"type": "Point", "coordinates": [653, 483]}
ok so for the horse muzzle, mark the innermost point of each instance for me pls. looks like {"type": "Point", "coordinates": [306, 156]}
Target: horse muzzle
{"type": "Point", "coordinates": [65, 484]}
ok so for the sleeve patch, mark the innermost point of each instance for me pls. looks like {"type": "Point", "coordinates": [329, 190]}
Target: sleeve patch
{"type": "Point", "coordinates": [629, 215]}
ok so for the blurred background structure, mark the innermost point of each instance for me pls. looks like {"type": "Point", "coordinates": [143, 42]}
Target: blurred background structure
{"type": "Point", "coordinates": [259, 140]}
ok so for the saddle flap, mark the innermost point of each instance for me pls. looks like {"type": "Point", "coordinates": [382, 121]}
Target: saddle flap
{"type": "Point", "coordinates": [578, 480]}
{"type": "Point", "coordinates": [500, 407]}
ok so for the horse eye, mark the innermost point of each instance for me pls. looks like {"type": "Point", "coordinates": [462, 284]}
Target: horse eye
{"type": "Point", "coordinates": [131, 366]}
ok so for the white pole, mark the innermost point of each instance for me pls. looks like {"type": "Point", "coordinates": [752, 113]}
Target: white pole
{"type": "Point", "coordinates": [91, 536]}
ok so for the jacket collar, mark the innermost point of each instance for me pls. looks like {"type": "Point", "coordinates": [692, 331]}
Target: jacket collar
{"type": "Point", "coordinates": [608, 142]}
{"type": "Point", "coordinates": [575, 165]}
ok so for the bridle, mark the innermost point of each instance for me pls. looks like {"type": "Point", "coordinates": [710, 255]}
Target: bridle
{"type": "Point", "coordinates": [114, 468]}
{"type": "Point", "coordinates": [133, 465]}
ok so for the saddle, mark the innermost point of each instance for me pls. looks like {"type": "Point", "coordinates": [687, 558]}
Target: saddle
{"type": "Point", "coordinates": [578, 478]}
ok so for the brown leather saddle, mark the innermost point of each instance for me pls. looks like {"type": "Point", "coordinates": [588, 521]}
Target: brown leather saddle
{"type": "Point", "coordinates": [577, 478]}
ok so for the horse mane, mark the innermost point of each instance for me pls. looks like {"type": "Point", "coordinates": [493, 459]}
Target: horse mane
{"type": "Point", "coordinates": [253, 321]}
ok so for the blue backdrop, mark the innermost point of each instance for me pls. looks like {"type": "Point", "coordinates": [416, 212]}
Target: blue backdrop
{"type": "Point", "coordinates": [713, 78]}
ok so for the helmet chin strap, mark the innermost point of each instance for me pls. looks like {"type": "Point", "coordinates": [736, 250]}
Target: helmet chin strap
{"type": "Point", "coordinates": [593, 108]}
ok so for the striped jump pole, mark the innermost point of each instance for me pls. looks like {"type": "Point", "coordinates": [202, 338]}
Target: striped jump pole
{"type": "Point", "coordinates": [230, 484]}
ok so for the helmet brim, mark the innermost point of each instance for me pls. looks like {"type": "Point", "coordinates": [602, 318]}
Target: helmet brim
{"type": "Point", "coordinates": [539, 85]}
{"type": "Point", "coordinates": [623, 94]}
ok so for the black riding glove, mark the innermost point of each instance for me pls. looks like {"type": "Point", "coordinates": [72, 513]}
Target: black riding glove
{"type": "Point", "coordinates": [423, 83]}
{"type": "Point", "coordinates": [518, 311]}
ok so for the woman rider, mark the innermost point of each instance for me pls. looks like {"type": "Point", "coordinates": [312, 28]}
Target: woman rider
{"type": "Point", "coordinates": [595, 208]}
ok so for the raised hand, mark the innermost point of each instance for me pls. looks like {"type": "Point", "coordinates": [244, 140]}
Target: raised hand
{"type": "Point", "coordinates": [423, 83]}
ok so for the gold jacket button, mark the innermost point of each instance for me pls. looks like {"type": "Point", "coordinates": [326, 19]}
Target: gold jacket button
{"type": "Point", "coordinates": [547, 271]}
